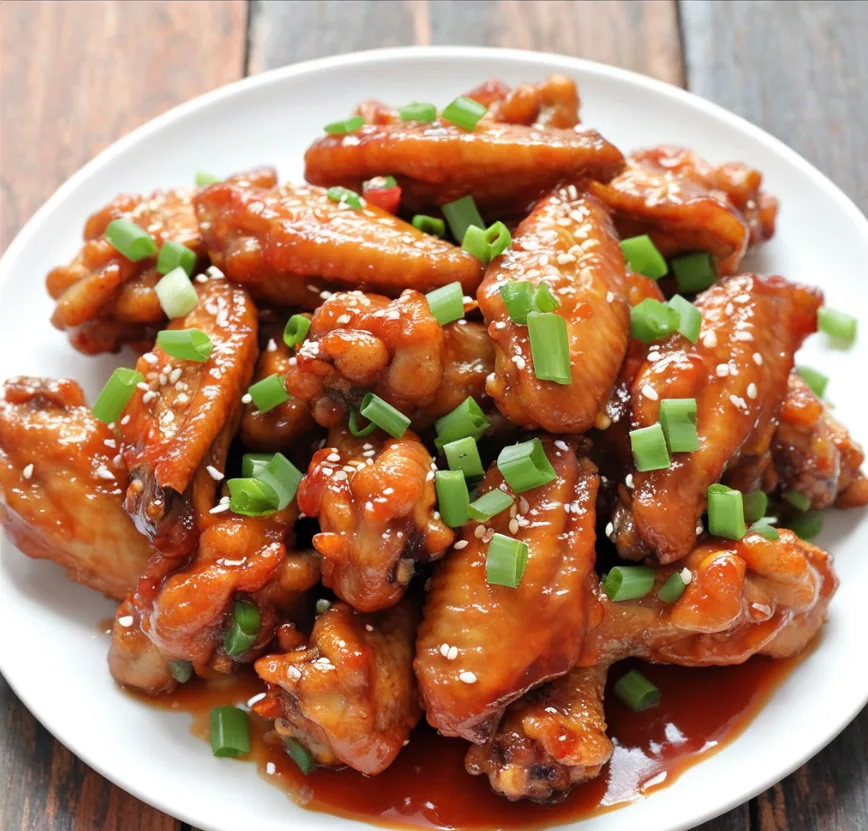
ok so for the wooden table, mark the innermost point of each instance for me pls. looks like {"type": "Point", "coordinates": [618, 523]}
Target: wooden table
{"type": "Point", "coordinates": [75, 76]}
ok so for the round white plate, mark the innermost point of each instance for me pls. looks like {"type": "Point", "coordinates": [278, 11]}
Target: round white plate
{"type": "Point", "coordinates": [57, 661]}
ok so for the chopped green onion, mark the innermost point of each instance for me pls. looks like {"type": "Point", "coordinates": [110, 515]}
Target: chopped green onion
{"type": "Point", "coordinates": [725, 512]}
{"type": "Point", "coordinates": [380, 183]}
{"type": "Point", "coordinates": [461, 215]}
{"type": "Point", "coordinates": [838, 325]}
{"type": "Point", "coordinates": [463, 112]}
{"type": "Point", "coordinates": [300, 755]}
{"type": "Point", "coordinates": [230, 733]}
{"type": "Point", "coordinates": [694, 272]}
{"type": "Point", "coordinates": [487, 244]}
{"type": "Point", "coordinates": [384, 415]}
{"type": "Point", "coordinates": [525, 465]}
{"type": "Point", "coordinates": [518, 297]}
{"type": "Point", "coordinates": [429, 225]}
{"type": "Point", "coordinates": [348, 125]}
{"type": "Point", "coordinates": [236, 641]}
{"type": "Point", "coordinates": [116, 394]}
{"type": "Point", "coordinates": [359, 432]}
{"type": "Point", "coordinates": [755, 504]}
{"type": "Point", "coordinates": [205, 179]}
{"type": "Point", "coordinates": [815, 380]}
{"type": "Point", "coordinates": [251, 497]}
{"type": "Point", "coordinates": [636, 692]}
{"type": "Point", "coordinates": [689, 318]}
{"type": "Point", "coordinates": [463, 455]}
{"type": "Point", "coordinates": [418, 111]}
{"type": "Point", "coordinates": [673, 588]}
{"type": "Point", "coordinates": [652, 320]}
{"type": "Point", "coordinates": [549, 347]}
{"type": "Point", "coordinates": [186, 344]}
{"type": "Point", "coordinates": [174, 255]}
{"type": "Point", "coordinates": [269, 393]}
{"type": "Point", "coordinates": [345, 195]}
{"type": "Point", "coordinates": [628, 582]}
{"type": "Point", "coordinates": [489, 504]}
{"type": "Point", "coordinates": [296, 330]}
{"type": "Point", "coordinates": [800, 501]}
{"type": "Point", "coordinates": [252, 464]}
{"type": "Point", "coordinates": [323, 605]}
{"type": "Point", "coordinates": [806, 526]}
{"type": "Point", "coordinates": [678, 420]}
{"type": "Point", "coordinates": [505, 561]}
{"type": "Point", "coordinates": [182, 671]}
{"type": "Point", "coordinates": [133, 242]}
{"type": "Point", "coordinates": [467, 419]}
{"type": "Point", "coordinates": [544, 300]}
{"type": "Point", "coordinates": [643, 257]}
{"type": "Point", "coordinates": [452, 497]}
{"type": "Point", "coordinates": [176, 294]}
{"type": "Point", "coordinates": [649, 448]}
{"type": "Point", "coordinates": [446, 303]}
{"type": "Point", "coordinates": [762, 527]}
{"type": "Point", "coordinates": [283, 477]}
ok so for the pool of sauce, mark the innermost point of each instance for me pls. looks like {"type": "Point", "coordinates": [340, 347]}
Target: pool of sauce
{"type": "Point", "coordinates": [427, 787]}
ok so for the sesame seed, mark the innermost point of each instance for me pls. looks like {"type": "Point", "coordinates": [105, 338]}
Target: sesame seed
{"type": "Point", "coordinates": [28, 471]}
{"type": "Point", "coordinates": [126, 621]}
{"type": "Point", "coordinates": [117, 460]}
{"type": "Point", "coordinates": [649, 392]}
{"type": "Point", "coordinates": [125, 420]}
{"type": "Point", "coordinates": [500, 325]}
{"type": "Point", "coordinates": [742, 298]}
{"type": "Point", "coordinates": [214, 272]}
{"type": "Point", "coordinates": [563, 259]}
{"type": "Point", "coordinates": [737, 401]}
{"type": "Point", "coordinates": [560, 443]}
{"type": "Point", "coordinates": [686, 576]}
{"type": "Point", "coordinates": [460, 544]}
{"type": "Point", "coordinates": [452, 654]}
{"type": "Point", "coordinates": [182, 398]}
{"type": "Point", "coordinates": [479, 531]}
{"type": "Point", "coordinates": [333, 457]}
{"type": "Point", "coordinates": [610, 529]}
{"type": "Point", "coordinates": [272, 346]}
{"type": "Point", "coordinates": [340, 475]}
{"type": "Point", "coordinates": [429, 476]}
{"type": "Point", "coordinates": [729, 310]}
{"type": "Point", "coordinates": [142, 386]}
{"type": "Point", "coordinates": [444, 649]}
{"type": "Point", "coordinates": [201, 278]}
{"type": "Point", "coordinates": [722, 370]}
{"type": "Point", "coordinates": [709, 340]}
{"type": "Point", "coordinates": [344, 318]}
{"type": "Point", "coordinates": [246, 398]}
{"type": "Point", "coordinates": [751, 390]}
{"type": "Point", "coordinates": [163, 379]}
{"type": "Point", "coordinates": [744, 336]}
{"type": "Point", "coordinates": [215, 474]}
{"type": "Point", "coordinates": [523, 505]}
{"type": "Point", "coordinates": [369, 628]}
{"type": "Point", "coordinates": [757, 359]}
{"type": "Point", "coordinates": [628, 480]}
{"type": "Point", "coordinates": [103, 472]}
{"type": "Point", "coordinates": [610, 296]}
{"type": "Point", "coordinates": [148, 396]}
{"type": "Point", "coordinates": [513, 526]}
{"type": "Point", "coordinates": [468, 677]}
{"type": "Point", "coordinates": [175, 375]}
{"type": "Point", "coordinates": [218, 509]}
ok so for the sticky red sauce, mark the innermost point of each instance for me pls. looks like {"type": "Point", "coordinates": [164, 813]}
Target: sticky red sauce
{"type": "Point", "coordinates": [427, 787]}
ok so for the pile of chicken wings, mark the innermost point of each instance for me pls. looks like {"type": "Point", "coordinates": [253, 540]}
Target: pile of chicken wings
{"type": "Point", "coordinates": [373, 612]}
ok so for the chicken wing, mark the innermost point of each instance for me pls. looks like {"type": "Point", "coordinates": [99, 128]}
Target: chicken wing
{"type": "Point", "coordinates": [569, 244]}
{"type": "Point", "coordinates": [105, 300]}
{"type": "Point", "coordinates": [549, 741]}
{"type": "Point", "coordinates": [375, 502]}
{"type": "Point", "coordinates": [280, 242]}
{"type": "Point", "coordinates": [737, 372]}
{"type": "Point", "coordinates": [504, 167]}
{"type": "Point", "coordinates": [482, 646]}
{"type": "Point", "coordinates": [62, 485]}
{"type": "Point", "coordinates": [686, 204]}
{"type": "Point", "coordinates": [169, 428]}
{"type": "Point", "coordinates": [350, 697]}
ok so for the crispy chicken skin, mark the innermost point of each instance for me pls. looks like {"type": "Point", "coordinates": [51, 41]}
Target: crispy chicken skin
{"type": "Point", "coordinates": [350, 696]}
{"type": "Point", "coordinates": [567, 242]}
{"type": "Point", "coordinates": [105, 300]}
{"type": "Point", "coordinates": [505, 167]}
{"type": "Point", "coordinates": [62, 485]}
{"type": "Point", "coordinates": [280, 242]}
{"type": "Point", "coordinates": [737, 372]}
{"type": "Point", "coordinates": [686, 204]}
{"type": "Point", "coordinates": [172, 427]}
{"type": "Point", "coordinates": [510, 640]}
{"type": "Point", "coordinates": [375, 502]}
{"type": "Point", "coordinates": [361, 343]}
{"type": "Point", "coordinates": [549, 741]}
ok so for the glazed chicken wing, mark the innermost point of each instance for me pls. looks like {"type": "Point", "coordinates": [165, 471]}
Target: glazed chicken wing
{"type": "Point", "coordinates": [481, 646]}
{"type": "Point", "coordinates": [350, 697]}
{"type": "Point", "coordinates": [375, 502]}
{"type": "Point", "coordinates": [504, 167]}
{"type": "Point", "coordinates": [62, 483]}
{"type": "Point", "coordinates": [686, 204]}
{"type": "Point", "coordinates": [549, 741]}
{"type": "Point", "coordinates": [170, 428]}
{"type": "Point", "coordinates": [567, 243]}
{"type": "Point", "coordinates": [278, 243]}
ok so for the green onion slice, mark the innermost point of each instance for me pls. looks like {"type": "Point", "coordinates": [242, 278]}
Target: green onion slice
{"type": "Point", "coordinates": [116, 394]}
{"type": "Point", "coordinates": [649, 448]}
{"type": "Point", "coordinates": [463, 455]}
{"type": "Point", "coordinates": [673, 588]}
{"type": "Point", "coordinates": [467, 419]}
{"type": "Point", "coordinates": [384, 415]}
{"type": "Point", "coordinates": [694, 272]}
{"type": "Point", "coordinates": [544, 300]}
{"type": "Point", "coordinates": [764, 529]}
{"type": "Point", "coordinates": [815, 380]}
{"type": "Point", "coordinates": [518, 297]}
{"type": "Point", "coordinates": [628, 582]}
{"type": "Point", "coordinates": [525, 465]}
{"type": "Point", "coordinates": [133, 242]}
{"type": "Point", "coordinates": [247, 616]}
{"type": "Point", "coordinates": [636, 692]}
{"type": "Point", "coordinates": [251, 497]}
{"type": "Point", "coordinates": [806, 526]}
{"type": "Point", "coordinates": [429, 225]}
{"type": "Point", "coordinates": [505, 561]}
{"type": "Point", "coordinates": [252, 464]}
{"type": "Point", "coordinates": [269, 393]}
{"type": "Point", "coordinates": [452, 497]}
{"type": "Point", "coordinates": [174, 255]}
{"type": "Point", "coordinates": [725, 512]}
{"type": "Point", "coordinates": [446, 303]}
{"type": "Point", "coordinates": [643, 257]}
{"type": "Point", "coordinates": [204, 179]}
{"type": "Point", "coordinates": [755, 504]}
{"type": "Point", "coordinates": [549, 347]}
{"type": "Point", "coordinates": [689, 318]}
{"type": "Point", "coordinates": [678, 420]}
{"type": "Point", "coordinates": [487, 244]}
{"type": "Point", "coordinates": [489, 505]}
{"type": "Point", "coordinates": [186, 344]}
{"type": "Point", "coordinates": [652, 320]}
{"type": "Point", "coordinates": [300, 755]}
{"type": "Point", "coordinates": [418, 111]}
{"type": "Point", "coordinates": [182, 671]}
{"type": "Point", "coordinates": [348, 125]}
{"type": "Point", "coordinates": [345, 195]}
{"type": "Point", "coordinates": [230, 733]}
{"type": "Point", "coordinates": [176, 294]}
{"type": "Point", "coordinates": [323, 605]}
{"type": "Point", "coordinates": [296, 330]}
{"type": "Point", "coordinates": [359, 432]}
{"type": "Point", "coordinates": [283, 477]}
{"type": "Point", "coordinates": [838, 325]}
{"type": "Point", "coordinates": [461, 215]}
{"type": "Point", "coordinates": [800, 501]}
{"type": "Point", "coordinates": [463, 112]}
{"type": "Point", "coordinates": [380, 183]}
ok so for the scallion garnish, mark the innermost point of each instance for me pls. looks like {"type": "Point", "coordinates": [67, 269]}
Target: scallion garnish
{"type": "Point", "coordinates": [348, 125]}
{"type": "Point", "coordinates": [300, 755]}
{"type": "Point", "coordinates": [694, 272]}
{"type": "Point", "coordinates": [815, 380]}
{"type": "Point", "coordinates": [346, 196]}
{"type": "Point", "coordinates": [628, 582]}
{"type": "Point", "coordinates": [754, 504]}
{"type": "Point", "coordinates": [652, 320]}
{"type": "Point", "coordinates": [673, 588]}
{"type": "Point", "coordinates": [204, 179]}
{"type": "Point", "coordinates": [678, 421]}
{"type": "Point", "coordinates": [643, 257]}
{"type": "Point", "coordinates": [133, 242]}
{"type": "Point", "coordinates": [764, 529]}
{"type": "Point", "coordinates": [174, 255]}
{"type": "Point", "coordinates": [838, 325]}
{"type": "Point", "coordinates": [487, 244]}
{"type": "Point", "coordinates": [176, 294]}
{"type": "Point", "coordinates": [649, 448]}
{"type": "Point", "coordinates": [467, 419]}
{"type": "Point", "coordinates": [323, 605]}
{"type": "Point", "coordinates": [116, 394]}
{"type": "Point", "coordinates": [636, 692]}
{"type": "Point", "coordinates": [806, 526]}
{"type": "Point", "coordinates": [186, 344]}
{"type": "Point", "coordinates": [230, 733]}
{"type": "Point", "coordinates": [490, 504]}
{"type": "Point", "coordinates": [379, 183]}
{"type": "Point", "coordinates": [518, 297]}
{"type": "Point", "coordinates": [429, 225]}
{"type": "Point", "coordinates": [461, 215]}
{"type": "Point", "coordinates": [549, 347]}
{"type": "Point", "coordinates": [269, 392]}
{"type": "Point", "coordinates": [689, 318]}
{"type": "Point", "coordinates": [452, 497]}
{"type": "Point", "coordinates": [446, 303]}
{"type": "Point", "coordinates": [544, 300]}
{"type": "Point", "coordinates": [251, 497]}
{"type": "Point", "coordinates": [525, 465]}
{"type": "Point", "coordinates": [463, 112]}
{"type": "Point", "coordinates": [418, 111]}
{"type": "Point", "coordinates": [725, 512]}
{"type": "Point", "coordinates": [182, 671]}
{"type": "Point", "coordinates": [296, 330]}
{"type": "Point", "coordinates": [283, 477]}
{"type": "Point", "coordinates": [353, 425]}
{"type": "Point", "coordinates": [505, 561]}
{"type": "Point", "coordinates": [463, 455]}
{"type": "Point", "coordinates": [252, 464]}
{"type": "Point", "coordinates": [800, 501]}
{"type": "Point", "coordinates": [384, 415]}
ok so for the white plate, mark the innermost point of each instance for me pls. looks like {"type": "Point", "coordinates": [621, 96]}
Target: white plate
{"type": "Point", "coordinates": [56, 660]}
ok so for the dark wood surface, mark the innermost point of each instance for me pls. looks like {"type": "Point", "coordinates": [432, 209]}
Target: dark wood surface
{"type": "Point", "coordinates": [75, 76]}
